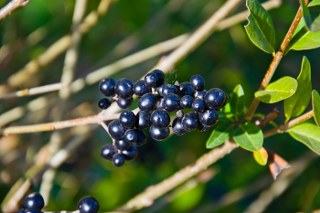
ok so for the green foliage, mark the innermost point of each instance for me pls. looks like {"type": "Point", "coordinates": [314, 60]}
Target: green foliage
{"type": "Point", "coordinates": [261, 156]}
{"type": "Point", "coordinates": [308, 134]}
{"type": "Point", "coordinates": [219, 135]}
{"type": "Point", "coordinates": [277, 91]}
{"type": "Point", "coordinates": [314, 3]}
{"type": "Point", "coordinates": [260, 28]}
{"type": "Point", "coordinates": [237, 101]}
{"type": "Point", "coordinates": [248, 136]}
{"type": "Point", "coordinates": [316, 106]}
{"type": "Point", "coordinates": [187, 199]}
{"type": "Point", "coordinates": [298, 102]}
{"type": "Point", "coordinates": [306, 14]}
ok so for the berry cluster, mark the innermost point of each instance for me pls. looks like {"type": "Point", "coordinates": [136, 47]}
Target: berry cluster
{"type": "Point", "coordinates": [195, 108]}
{"type": "Point", "coordinates": [33, 203]}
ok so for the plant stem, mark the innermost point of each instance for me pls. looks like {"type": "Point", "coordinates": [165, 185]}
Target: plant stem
{"type": "Point", "coordinates": [275, 62]}
{"type": "Point", "coordinates": [11, 6]}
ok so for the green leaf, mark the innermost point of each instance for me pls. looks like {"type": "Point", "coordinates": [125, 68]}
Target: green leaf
{"type": "Point", "coordinates": [316, 106]}
{"type": "Point", "coordinates": [298, 102]}
{"type": "Point", "coordinates": [248, 136]}
{"type": "Point", "coordinates": [305, 40]}
{"type": "Point", "coordinates": [219, 135]}
{"type": "Point", "coordinates": [260, 28]}
{"type": "Point", "coordinates": [261, 156]}
{"type": "Point", "coordinates": [277, 91]}
{"type": "Point", "coordinates": [314, 3]}
{"type": "Point", "coordinates": [188, 198]}
{"type": "Point", "coordinates": [306, 14]}
{"type": "Point", "coordinates": [308, 134]}
{"type": "Point", "coordinates": [315, 25]}
{"type": "Point", "coordinates": [237, 101]}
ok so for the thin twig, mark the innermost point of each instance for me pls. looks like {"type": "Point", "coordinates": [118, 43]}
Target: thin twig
{"type": "Point", "coordinates": [11, 6]}
{"type": "Point", "coordinates": [34, 91]}
{"type": "Point", "coordinates": [72, 52]}
{"type": "Point", "coordinates": [275, 62]}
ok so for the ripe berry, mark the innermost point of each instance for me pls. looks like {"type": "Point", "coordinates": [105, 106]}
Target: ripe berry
{"type": "Point", "coordinates": [122, 144]}
{"type": "Point", "coordinates": [154, 78]}
{"type": "Point", "coordinates": [88, 205]}
{"type": "Point", "coordinates": [169, 88]}
{"type": "Point", "coordinates": [140, 88]}
{"type": "Point", "coordinates": [186, 88]}
{"type": "Point", "coordinates": [107, 86]}
{"type": "Point", "coordinates": [177, 126]}
{"type": "Point", "coordinates": [190, 121]}
{"type": "Point", "coordinates": [202, 128]}
{"type": "Point", "coordinates": [186, 101]}
{"type": "Point", "coordinates": [160, 118]}
{"type": "Point", "coordinates": [130, 153]}
{"type": "Point", "coordinates": [127, 119]}
{"type": "Point", "coordinates": [159, 134]}
{"type": "Point", "coordinates": [104, 103]}
{"type": "Point", "coordinates": [198, 105]}
{"type": "Point", "coordinates": [215, 98]}
{"type": "Point", "coordinates": [118, 159]}
{"type": "Point", "coordinates": [147, 102]}
{"type": "Point", "coordinates": [124, 88]}
{"type": "Point", "coordinates": [34, 201]}
{"type": "Point", "coordinates": [107, 151]}
{"type": "Point", "coordinates": [143, 120]}
{"type": "Point", "coordinates": [209, 117]}
{"type": "Point", "coordinates": [32, 211]}
{"type": "Point", "coordinates": [141, 139]}
{"type": "Point", "coordinates": [160, 89]}
{"type": "Point", "coordinates": [197, 82]}
{"type": "Point", "coordinates": [131, 136]}
{"type": "Point", "coordinates": [116, 129]}
{"type": "Point", "coordinates": [200, 94]}
{"type": "Point", "coordinates": [171, 102]}
{"type": "Point", "coordinates": [124, 103]}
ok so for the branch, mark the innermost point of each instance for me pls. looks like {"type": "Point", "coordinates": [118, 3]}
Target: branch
{"type": "Point", "coordinates": [275, 62]}
{"type": "Point", "coordinates": [11, 6]}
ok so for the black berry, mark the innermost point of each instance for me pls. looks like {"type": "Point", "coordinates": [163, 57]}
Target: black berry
{"type": "Point", "coordinates": [201, 94]}
{"type": "Point", "coordinates": [186, 101]}
{"type": "Point", "coordinates": [154, 78]}
{"type": "Point", "coordinates": [104, 103]}
{"type": "Point", "coordinates": [88, 205]}
{"type": "Point", "coordinates": [198, 105]}
{"type": "Point", "coordinates": [209, 117]}
{"type": "Point", "coordinates": [169, 88]}
{"type": "Point", "coordinates": [141, 139]}
{"type": "Point", "coordinates": [177, 126]}
{"type": "Point", "coordinates": [159, 134]}
{"type": "Point", "coordinates": [131, 136]}
{"type": "Point", "coordinates": [34, 201]}
{"type": "Point", "coordinates": [140, 88]}
{"type": "Point", "coordinates": [186, 88]}
{"type": "Point", "coordinates": [215, 98]}
{"type": "Point", "coordinates": [122, 144]}
{"type": "Point", "coordinates": [130, 153]}
{"type": "Point", "coordinates": [124, 88]}
{"type": "Point", "coordinates": [147, 102]}
{"type": "Point", "coordinates": [171, 102]}
{"type": "Point", "coordinates": [116, 129]}
{"type": "Point", "coordinates": [107, 151]}
{"type": "Point", "coordinates": [118, 159]}
{"type": "Point", "coordinates": [197, 82]}
{"type": "Point", "coordinates": [124, 103]}
{"type": "Point", "coordinates": [143, 120]}
{"type": "Point", "coordinates": [160, 118]}
{"type": "Point", "coordinates": [190, 121]}
{"type": "Point", "coordinates": [107, 86]}
{"type": "Point", "coordinates": [127, 119]}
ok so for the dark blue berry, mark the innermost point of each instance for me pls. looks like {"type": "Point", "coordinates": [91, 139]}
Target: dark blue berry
{"type": "Point", "coordinates": [215, 98]}
{"type": "Point", "coordinates": [140, 88]}
{"type": "Point", "coordinates": [116, 129]}
{"type": "Point", "coordinates": [159, 134]}
{"type": "Point", "coordinates": [130, 153]}
{"type": "Point", "coordinates": [118, 159]}
{"type": "Point", "coordinates": [198, 105]}
{"type": "Point", "coordinates": [160, 89]}
{"type": "Point", "coordinates": [34, 201]}
{"type": "Point", "coordinates": [186, 101]}
{"type": "Point", "coordinates": [171, 102]}
{"type": "Point", "coordinates": [147, 102]}
{"type": "Point", "coordinates": [122, 144]}
{"type": "Point", "coordinates": [160, 118]}
{"type": "Point", "coordinates": [127, 119]}
{"type": "Point", "coordinates": [190, 121]}
{"type": "Point", "coordinates": [201, 94]}
{"type": "Point", "coordinates": [107, 151]}
{"type": "Point", "coordinates": [209, 117]}
{"type": "Point", "coordinates": [88, 205]}
{"type": "Point", "coordinates": [131, 136]}
{"type": "Point", "coordinates": [104, 103]}
{"type": "Point", "coordinates": [124, 103]}
{"type": "Point", "coordinates": [143, 120]}
{"type": "Point", "coordinates": [169, 88]}
{"type": "Point", "coordinates": [107, 86]}
{"type": "Point", "coordinates": [197, 82]}
{"type": "Point", "coordinates": [154, 78]}
{"type": "Point", "coordinates": [177, 126]}
{"type": "Point", "coordinates": [124, 88]}
{"type": "Point", "coordinates": [160, 103]}
{"type": "Point", "coordinates": [202, 128]}
{"type": "Point", "coordinates": [32, 211]}
{"type": "Point", "coordinates": [186, 88]}
{"type": "Point", "coordinates": [141, 139]}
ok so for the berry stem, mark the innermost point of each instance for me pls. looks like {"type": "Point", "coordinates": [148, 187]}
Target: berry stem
{"type": "Point", "coordinates": [11, 6]}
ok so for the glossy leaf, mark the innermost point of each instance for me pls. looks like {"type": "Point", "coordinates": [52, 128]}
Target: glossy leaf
{"type": "Point", "coordinates": [248, 136]}
{"type": "Point", "coordinates": [306, 14]}
{"type": "Point", "coordinates": [308, 134]}
{"type": "Point", "coordinates": [219, 135]}
{"type": "Point", "coordinates": [315, 25]}
{"type": "Point", "coordinates": [237, 101]}
{"type": "Point", "coordinates": [309, 40]}
{"type": "Point", "coordinates": [277, 91]}
{"type": "Point", "coordinates": [314, 3]}
{"type": "Point", "coordinates": [261, 156]}
{"type": "Point", "coordinates": [298, 102]}
{"type": "Point", "coordinates": [316, 106]}
{"type": "Point", "coordinates": [260, 29]}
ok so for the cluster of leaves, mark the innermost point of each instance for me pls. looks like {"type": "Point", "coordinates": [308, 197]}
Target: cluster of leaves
{"type": "Point", "coordinates": [295, 93]}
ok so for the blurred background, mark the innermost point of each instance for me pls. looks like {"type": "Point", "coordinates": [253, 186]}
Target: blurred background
{"type": "Point", "coordinates": [226, 59]}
